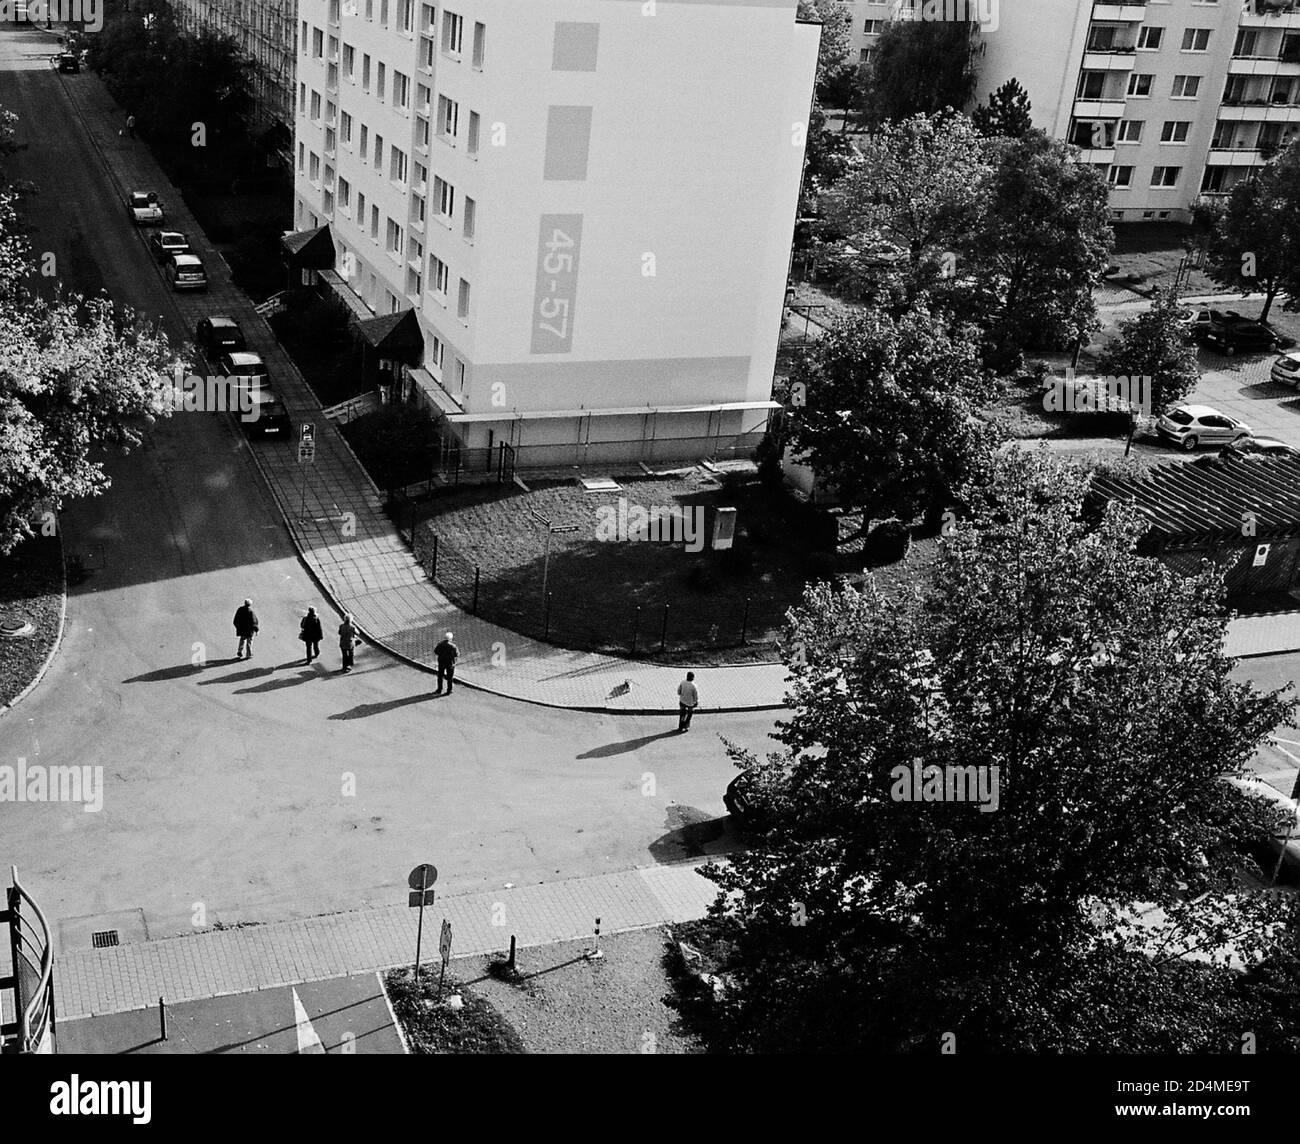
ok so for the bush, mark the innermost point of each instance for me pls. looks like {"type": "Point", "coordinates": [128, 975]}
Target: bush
{"type": "Point", "coordinates": [821, 566]}
{"type": "Point", "coordinates": [887, 542]}
{"type": "Point", "coordinates": [736, 562]}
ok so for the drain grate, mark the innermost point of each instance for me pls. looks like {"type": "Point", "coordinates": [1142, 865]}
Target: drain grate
{"type": "Point", "coordinates": [104, 939]}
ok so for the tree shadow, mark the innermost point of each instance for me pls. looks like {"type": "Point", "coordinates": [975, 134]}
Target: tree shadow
{"type": "Point", "coordinates": [692, 835]}
{"type": "Point", "coordinates": [625, 746]}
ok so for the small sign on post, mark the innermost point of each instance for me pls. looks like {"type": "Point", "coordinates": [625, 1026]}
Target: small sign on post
{"type": "Point", "coordinates": [421, 881]}
{"type": "Point", "coordinates": [444, 948]}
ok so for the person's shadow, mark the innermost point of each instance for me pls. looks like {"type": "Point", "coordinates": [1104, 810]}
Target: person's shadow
{"type": "Point", "coordinates": [625, 746]}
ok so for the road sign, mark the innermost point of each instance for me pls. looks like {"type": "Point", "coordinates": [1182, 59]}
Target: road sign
{"type": "Point", "coordinates": [307, 433]}
{"type": "Point", "coordinates": [422, 877]}
{"type": "Point", "coordinates": [444, 941]}
{"type": "Point", "coordinates": [420, 898]}
{"type": "Point", "coordinates": [306, 452]}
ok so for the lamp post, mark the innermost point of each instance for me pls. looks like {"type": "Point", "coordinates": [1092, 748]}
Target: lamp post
{"type": "Point", "coordinates": [551, 530]}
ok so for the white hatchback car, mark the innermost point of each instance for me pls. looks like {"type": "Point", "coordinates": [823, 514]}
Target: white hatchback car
{"type": "Point", "coordinates": [1287, 369]}
{"type": "Point", "coordinates": [1188, 426]}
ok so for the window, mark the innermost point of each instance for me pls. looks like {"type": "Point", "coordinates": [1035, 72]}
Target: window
{"type": "Point", "coordinates": [333, 48]}
{"type": "Point", "coordinates": [1212, 183]}
{"type": "Point", "coordinates": [436, 354]}
{"type": "Point", "coordinates": [350, 62]}
{"type": "Point", "coordinates": [394, 238]}
{"type": "Point", "coordinates": [361, 209]}
{"type": "Point", "coordinates": [453, 32]}
{"type": "Point", "coordinates": [426, 52]}
{"type": "Point", "coordinates": [468, 210]}
{"type": "Point", "coordinates": [438, 277]}
{"type": "Point", "coordinates": [462, 301]}
{"type": "Point", "coordinates": [331, 110]}
{"type": "Point", "coordinates": [417, 210]}
{"type": "Point", "coordinates": [302, 157]}
{"type": "Point", "coordinates": [365, 72]}
{"type": "Point", "coordinates": [1139, 85]}
{"type": "Point", "coordinates": [397, 166]}
{"type": "Point", "coordinates": [1196, 39]}
{"type": "Point", "coordinates": [422, 97]}
{"type": "Point", "coordinates": [1186, 86]}
{"type": "Point", "coordinates": [460, 374]}
{"type": "Point", "coordinates": [374, 223]}
{"type": "Point", "coordinates": [1165, 176]}
{"type": "Point", "coordinates": [302, 37]}
{"type": "Point", "coordinates": [370, 9]}
{"type": "Point", "coordinates": [317, 43]}
{"type": "Point", "coordinates": [365, 131]}
{"type": "Point", "coordinates": [302, 97]}
{"type": "Point", "coordinates": [471, 138]}
{"type": "Point", "coordinates": [1149, 39]}
{"type": "Point", "coordinates": [1247, 43]}
{"type": "Point", "coordinates": [401, 91]}
{"type": "Point", "coordinates": [345, 128]}
{"type": "Point", "coordinates": [1121, 176]}
{"type": "Point", "coordinates": [1175, 131]}
{"type": "Point", "coordinates": [872, 27]}
{"type": "Point", "coordinates": [421, 131]}
{"type": "Point", "coordinates": [444, 197]}
{"type": "Point", "coordinates": [331, 141]}
{"type": "Point", "coordinates": [379, 82]}
{"type": "Point", "coordinates": [313, 167]}
{"type": "Point", "coordinates": [405, 15]}
{"type": "Point", "coordinates": [448, 118]}
{"type": "Point", "coordinates": [379, 152]}
{"type": "Point", "coordinates": [383, 12]}
{"type": "Point", "coordinates": [1130, 131]}
{"type": "Point", "coordinates": [315, 105]}
{"type": "Point", "coordinates": [345, 193]}
{"type": "Point", "coordinates": [480, 34]}
{"type": "Point", "coordinates": [427, 15]}
{"type": "Point", "coordinates": [421, 176]}
{"type": "Point", "coordinates": [1092, 84]}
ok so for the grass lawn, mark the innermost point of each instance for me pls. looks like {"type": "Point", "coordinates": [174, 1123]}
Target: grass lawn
{"type": "Point", "coordinates": [31, 589]}
{"type": "Point", "coordinates": [597, 583]}
{"type": "Point", "coordinates": [433, 1027]}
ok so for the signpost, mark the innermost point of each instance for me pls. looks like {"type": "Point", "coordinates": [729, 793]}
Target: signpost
{"type": "Point", "coordinates": [444, 948]}
{"type": "Point", "coordinates": [421, 881]}
{"type": "Point", "coordinates": [306, 456]}
{"type": "Point", "coordinates": [551, 530]}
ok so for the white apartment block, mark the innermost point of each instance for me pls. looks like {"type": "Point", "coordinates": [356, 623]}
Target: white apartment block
{"type": "Point", "coordinates": [1174, 99]}
{"type": "Point", "coordinates": [587, 204]}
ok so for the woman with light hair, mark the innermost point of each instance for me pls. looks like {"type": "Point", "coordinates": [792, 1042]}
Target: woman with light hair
{"type": "Point", "coordinates": [349, 637]}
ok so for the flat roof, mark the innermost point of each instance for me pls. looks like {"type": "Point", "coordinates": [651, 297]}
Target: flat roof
{"type": "Point", "coordinates": [624, 411]}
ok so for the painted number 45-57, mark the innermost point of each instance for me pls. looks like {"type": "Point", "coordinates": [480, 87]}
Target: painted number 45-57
{"type": "Point", "coordinates": [557, 282]}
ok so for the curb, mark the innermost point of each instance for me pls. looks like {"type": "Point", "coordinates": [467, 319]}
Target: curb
{"type": "Point", "coordinates": [58, 636]}
{"type": "Point", "coordinates": [318, 578]}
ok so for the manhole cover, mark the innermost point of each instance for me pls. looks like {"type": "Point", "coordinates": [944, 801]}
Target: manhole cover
{"type": "Point", "coordinates": [16, 626]}
{"type": "Point", "coordinates": [104, 939]}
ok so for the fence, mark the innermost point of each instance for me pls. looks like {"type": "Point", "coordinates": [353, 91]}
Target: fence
{"type": "Point", "coordinates": [593, 622]}
{"type": "Point", "coordinates": [32, 980]}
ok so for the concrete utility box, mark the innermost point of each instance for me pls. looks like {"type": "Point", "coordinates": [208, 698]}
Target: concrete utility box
{"type": "Point", "coordinates": [724, 528]}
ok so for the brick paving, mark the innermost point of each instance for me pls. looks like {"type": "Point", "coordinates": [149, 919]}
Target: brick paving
{"type": "Point", "coordinates": [335, 515]}
{"type": "Point", "coordinates": [219, 962]}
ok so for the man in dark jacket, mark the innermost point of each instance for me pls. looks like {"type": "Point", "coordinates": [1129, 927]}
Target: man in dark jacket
{"type": "Point", "coordinates": [246, 627]}
{"type": "Point", "coordinates": [349, 637]}
{"type": "Point", "coordinates": [311, 634]}
{"type": "Point", "coordinates": [446, 653]}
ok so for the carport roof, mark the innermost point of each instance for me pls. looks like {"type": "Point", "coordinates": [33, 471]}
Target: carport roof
{"type": "Point", "coordinates": [313, 249]}
{"type": "Point", "coordinates": [1187, 501]}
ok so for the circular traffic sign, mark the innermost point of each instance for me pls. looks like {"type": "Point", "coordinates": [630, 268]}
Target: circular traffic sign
{"type": "Point", "coordinates": [422, 877]}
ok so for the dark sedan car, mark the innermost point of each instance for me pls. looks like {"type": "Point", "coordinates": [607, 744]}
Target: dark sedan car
{"type": "Point", "coordinates": [168, 242]}
{"type": "Point", "coordinates": [218, 335]}
{"type": "Point", "coordinates": [1237, 337]}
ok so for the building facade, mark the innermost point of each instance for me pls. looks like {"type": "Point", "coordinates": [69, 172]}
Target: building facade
{"type": "Point", "coordinates": [588, 207]}
{"type": "Point", "coordinates": [264, 32]}
{"type": "Point", "coordinates": [1173, 99]}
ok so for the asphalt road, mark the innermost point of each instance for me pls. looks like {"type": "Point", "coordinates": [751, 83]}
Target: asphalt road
{"type": "Point", "coordinates": [266, 790]}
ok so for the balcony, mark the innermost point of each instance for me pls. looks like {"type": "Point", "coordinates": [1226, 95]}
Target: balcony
{"type": "Point", "coordinates": [1133, 12]}
{"type": "Point", "coordinates": [1109, 59]}
{"type": "Point", "coordinates": [1271, 14]}
{"type": "Point", "coordinates": [1111, 107]}
{"type": "Point", "coordinates": [1258, 110]}
{"type": "Point", "coordinates": [1097, 156]}
{"type": "Point", "coordinates": [1284, 63]}
{"type": "Point", "coordinates": [1233, 157]}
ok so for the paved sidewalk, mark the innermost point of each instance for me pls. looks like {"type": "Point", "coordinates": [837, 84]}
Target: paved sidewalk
{"type": "Point", "coordinates": [220, 962]}
{"type": "Point", "coordinates": [348, 542]}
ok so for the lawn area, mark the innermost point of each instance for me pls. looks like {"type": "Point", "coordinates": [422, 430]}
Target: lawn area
{"type": "Point", "coordinates": [31, 590]}
{"type": "Point", "coordinates": [597, 578]}
{"type": "Point", "coordinates": [432, 1026]}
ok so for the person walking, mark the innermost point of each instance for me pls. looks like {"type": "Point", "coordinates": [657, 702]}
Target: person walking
{"type": "Point", "coordinates": [246, 627]}
{"type": "Point", "coordinates": [688, 698]}
{"type": "Point", "coordinates": [348, 640]}
{"type": "Point", "coordinates": [446, 653]}
{"type": "Point", "coordinates": [311, 634]}
{"type": "Point", "coordinates": [130, 126]}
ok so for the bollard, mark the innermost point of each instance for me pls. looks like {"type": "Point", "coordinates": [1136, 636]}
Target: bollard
{"type": "Point", "coordinates": [636, 625]}
{"type": "Point", "coordinates": [511, 962]}
{"type": "Point", "coordinates": [474, 609]}
{"type": "Point", "coordinates": [162, 1017]}
{"type": "Point", "coordinates": [663, 635]}
{"type": "Point", "coordinates": [595, 953]}
{"type": "Point", "coordinates": [744, 622]}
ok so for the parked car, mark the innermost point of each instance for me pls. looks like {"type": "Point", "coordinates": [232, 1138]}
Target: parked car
{"type": "Point", "coordinates": [1282, 816]}
{"type": "Point", "coordinates": [876, 252]}
{"type": "Point", "coordinates": [1287, 369]}
{"type": "Point", "coordinates": [217, 335]}
{"type": "Point", "coordinates": [1233, 337]}
{"type": "Point", "coordinates": [185, 272]}
{"type": "Point", "coordinates": [1188, 426]}
{"type": "Point", "coordinates": [168, 242]}
{"type": "Point", "coordinates": [1259, 447]}
{"type": "Point", "coordinates": [144, 208]}
{"type": "Point", "coordinates": [742, 804]}
{"type": "Point", "coordinates": [68, 62]}
{"type": "Point", "coordinates": [1196, 322]}
{"type": "Point", "coordinates": [272, 418]}
{"type": "Point", "coordinates": [244, 364]}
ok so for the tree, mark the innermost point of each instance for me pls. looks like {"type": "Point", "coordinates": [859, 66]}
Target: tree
{"type": "Point", "coordinates": [836, 19]}
{"type": "Point", "coordinates": [1151, 344]}
{"type": "Point", "coordinates": [1255, 244]}
{"type": "Point", "coordinates": [1043, 243]}
{"type": "Point", "coordinates": [1006, 115]}
{"type": "Point", "coordinates": [1043, 645]}
{"type": "Point", "coordinates": [887, 417]}
{"type": "Point", "coordinates": [921, 67]}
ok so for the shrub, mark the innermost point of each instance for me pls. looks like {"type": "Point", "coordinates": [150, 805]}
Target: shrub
{"type": "Point", "coordinates": [821, 566]}
{"type": "Point", "coordinates": [887, 542]}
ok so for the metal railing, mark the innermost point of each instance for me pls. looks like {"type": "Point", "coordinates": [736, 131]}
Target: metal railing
{"type": "Point", "coordinates": [32, 980]}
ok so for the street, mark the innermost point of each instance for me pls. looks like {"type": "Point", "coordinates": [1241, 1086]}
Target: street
{"type": "Point", "coordinates": [258, 791]}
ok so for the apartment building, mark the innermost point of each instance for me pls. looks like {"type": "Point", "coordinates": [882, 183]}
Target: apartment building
{"type": "Point", "coordinates": [587, 207]}
{"type": "Point", "coordinates": [1173, 99]}
{"type": "Point", "coordinates": [264, 32]}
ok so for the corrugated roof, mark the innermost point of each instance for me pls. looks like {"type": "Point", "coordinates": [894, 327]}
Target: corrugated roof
{"type": "Point", "coordinates": [1210, 497]}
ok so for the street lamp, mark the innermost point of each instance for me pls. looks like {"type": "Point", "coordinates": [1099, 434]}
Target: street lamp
{"type": "Point", "coordinates": [551, 530]}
